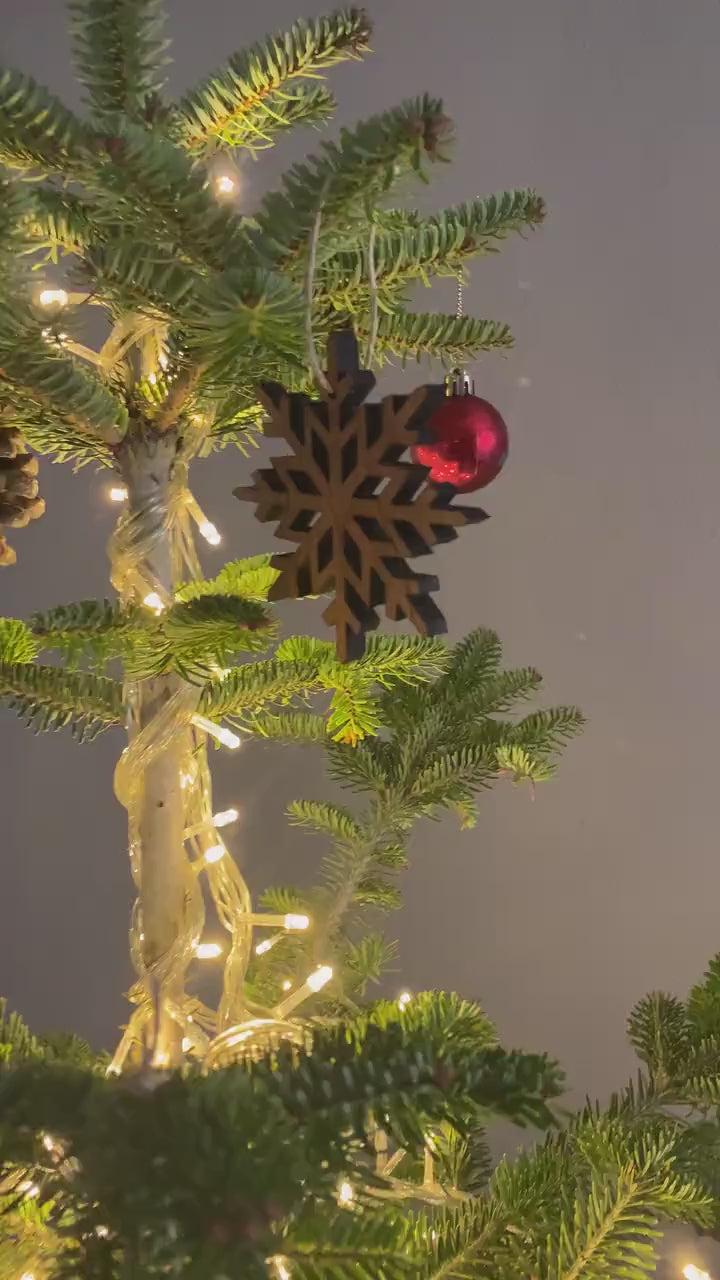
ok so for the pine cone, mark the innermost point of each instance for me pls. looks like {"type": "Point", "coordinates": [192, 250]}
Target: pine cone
{"type": "Point", "coordinates": [19, 502]}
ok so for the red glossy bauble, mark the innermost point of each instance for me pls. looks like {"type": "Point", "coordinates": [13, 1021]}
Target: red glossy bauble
{"type": "Point", "coordinates": [467, 444]}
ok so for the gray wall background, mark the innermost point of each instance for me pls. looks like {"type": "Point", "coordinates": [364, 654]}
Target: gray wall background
{"type": "Point", "coordinates": [600, 563]}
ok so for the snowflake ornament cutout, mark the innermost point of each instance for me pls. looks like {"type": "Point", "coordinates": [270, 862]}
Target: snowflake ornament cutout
{"type": "Point", "coordinates": [356, 512]}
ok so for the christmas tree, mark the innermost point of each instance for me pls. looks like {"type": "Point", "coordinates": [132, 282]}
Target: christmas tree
{"type": "Point", "coordinates": [200, 303]}
{"type": "Point", "coordinates": [294, 1127]}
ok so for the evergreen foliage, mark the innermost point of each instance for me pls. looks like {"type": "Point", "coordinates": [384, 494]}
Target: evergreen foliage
{"type": "Point", "coordinates": [247, 103]}
{"type": "Point", "coordinates": [130, 1173]}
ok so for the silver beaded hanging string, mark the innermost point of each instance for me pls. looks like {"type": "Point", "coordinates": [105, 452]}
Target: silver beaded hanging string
{"type": "Point", "coordinates": [460, 383]}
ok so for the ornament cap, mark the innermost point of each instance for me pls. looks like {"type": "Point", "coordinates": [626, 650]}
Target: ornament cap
{"type": "Point", "coordinates": [459, 383]}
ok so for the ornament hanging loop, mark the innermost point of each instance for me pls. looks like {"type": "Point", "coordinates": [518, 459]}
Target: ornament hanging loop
{"type": "Point", "coordinates": [459, 382]}
{"type": "Point", "coordinates": [312, 356]}
{"type": "Point", "coordinates": [372, 290]}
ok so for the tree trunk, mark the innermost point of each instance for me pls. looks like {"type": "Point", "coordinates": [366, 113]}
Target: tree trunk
{"type": "Point", "coordinates": [146, 463]}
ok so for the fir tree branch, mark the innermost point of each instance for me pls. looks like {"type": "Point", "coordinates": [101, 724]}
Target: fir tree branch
{"type": "Point", "coordinates": [37, 131]}
{"type": "Point", "coordinates": [241, 105]}
{"type": "Point", "coordinates": [348, 1246]}
{"type": "Point", "coordinates": [59, 219]}
{"type": "Point", "coordinates": [48, 432]}
{"type": "Point", "coordinates": [250, 688]}
{"type": "Point", "coordinates": [120, 55]}
{"type": "Point", "coordinates": [50, 379]}
{"type": "Point", "coordinates": [49, 698]}
{"type": "Point", "coordinates": [345, 176]}
{"type": "Point", "coordinates": [433, 336]}
{"type": "Point", "coordinates": [411, 247]}
{"type": "Point", "coordinates": [149, 184]}
{"type": "Point", "coordinates": [140, 276]}
{"type": "Point", "coordinates": [251, 579]}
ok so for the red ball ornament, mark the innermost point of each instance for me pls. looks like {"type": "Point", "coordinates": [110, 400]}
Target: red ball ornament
{"type": "Point", "coordinates": [467, 444]}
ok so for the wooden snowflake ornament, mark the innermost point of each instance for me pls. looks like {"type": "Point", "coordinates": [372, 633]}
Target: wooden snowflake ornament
{"type": "Point", "coordinates": [355, 511]}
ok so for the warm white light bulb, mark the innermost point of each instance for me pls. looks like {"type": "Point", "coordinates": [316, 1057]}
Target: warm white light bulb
{"type": "Point", "coordinates": [154, 601]}
{"type": "Point", "coordinates": [286, 984]}
{"type": "Point", "coordinates": [293, 921]}
{"type": "Point", "coordinates": [29, 1189]}
{"type": "Point", "coordinates": [187, 1042]}
{"type": "Point", "coordinates": [53, 298]}
{"type": "Point", "coordinates": [215, 853]}
{"type": "Point", "coordinates": [281, 1271]}
{"type": "Point", "coordinates": [152, 378]}
{"type": "Point", "coordinates": [262, 947]}
{"type": "Point", "coordinates": [404, 999]}
{"type": "Point", "coordinates": [210, 533]}
{"type": "Point", "coordinates": [218, 731]}
{"type": "Point", "coordinates": [224, 184]}
{"type": "Point", "coordinates": [692, 1272]}
{"type": "Point", "coordinates": [208, 950]}
{"type": "Point", "coordinates": [345, 1193]}
{"type": "Point", "coordinates": [320, 978]}
{"type": "Point", "coordinates": [225, 817]}
{"type": "Point", "coordinates": [118, 494]}
{"type": "Point", "coordinates": [27, 1275]}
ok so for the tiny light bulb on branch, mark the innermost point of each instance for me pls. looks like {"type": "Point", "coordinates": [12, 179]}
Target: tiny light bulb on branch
{"type": "Point", "coordinates": [210, 533]}
{"type": "Point", "coordinates": [225, 818]}
{"type": "Point", "coordinates": [692, 1272]}
{"type": "Point", "coordinates": [208, 950]}
{"type": "Point", "coordinates": [224, 184]}
{"type": "Point", "coordinates": [315, 982]}
{"type": "Point", "coordinates": [290, 921]}
{"type": "Point", "coordinates": [205, 527]}
{"type": "Point", "coordinates": [320, 978]}
{"type": "Point", "coordinates": [345, 1193]}
{"type": "Point", "coordinates": [263, 947]}
{"type": "Point", "coordinates": [218, 731]}
{"type": "Point", "coordinates": [293, 921]}
{"type": "Point", "coordinates": [118, 493]}
{"type": "Point", "coordinates": [404, 999]}
{"type": "Point", "coordinates": [215, 853]}
{"type": "Point", "coordinates": [154, 602]}
{"type": "Point", "coordinates": [53, 298]}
